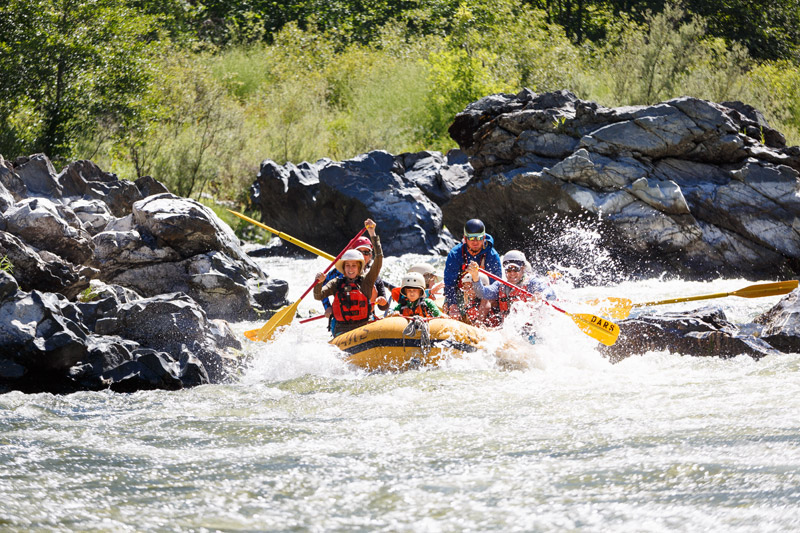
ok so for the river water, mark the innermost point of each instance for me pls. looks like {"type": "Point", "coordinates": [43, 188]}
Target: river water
{"type": "Point", "coordinates": [561, 441]}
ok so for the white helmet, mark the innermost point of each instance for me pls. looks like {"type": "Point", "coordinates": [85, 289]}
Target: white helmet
{"type": "Point", "coordinates": [425, 269]}
{"type": "Point", "coordinates": [350, 255]}
{"type": "Point", "coordinates": [483, 278]}
{"type": "Point", "coordinates": [412, 280]}
{"type": "Point", "coordinates": [515, 257]}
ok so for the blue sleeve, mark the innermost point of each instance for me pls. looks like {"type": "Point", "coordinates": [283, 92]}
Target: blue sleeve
{"type": "Point", "coordinates": [489, 292]}
{"type": "Point", "coordinates": [452, 269]}
{"type": "Point", "coordinates": [493, 263]}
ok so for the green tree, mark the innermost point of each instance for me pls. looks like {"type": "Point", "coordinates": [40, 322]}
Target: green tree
{"type": "Point", "coordinates": [67, 66]}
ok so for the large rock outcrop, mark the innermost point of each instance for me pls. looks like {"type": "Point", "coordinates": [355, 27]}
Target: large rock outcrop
{"type": "Point", "coordinates": [687, 187]}
{"type": "Point", "coordinates": [172, 271]}
{"type": "Point", "coordinates": [325, 203]}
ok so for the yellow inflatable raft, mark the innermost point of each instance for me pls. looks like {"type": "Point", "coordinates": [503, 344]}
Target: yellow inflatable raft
{"type": "Point", "coordinates": [394, 343]}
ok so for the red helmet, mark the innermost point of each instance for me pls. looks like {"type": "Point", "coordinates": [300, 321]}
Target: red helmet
{"type": "Point", "coordinates": [362, 242]}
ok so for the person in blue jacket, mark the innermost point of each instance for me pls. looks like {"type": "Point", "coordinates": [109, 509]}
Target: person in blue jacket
{"type": "Point", "coordinates": [476, 246]}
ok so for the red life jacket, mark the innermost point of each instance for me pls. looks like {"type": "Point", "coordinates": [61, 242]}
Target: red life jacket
{"type": "Point", "coordinates": [349, 303]}
{"type": "Point", "coordinates": [508, 296]}
{"type": "Point", "coordinates": [472, 312]}
{"type": "Point", "coordinates": [466, 259]}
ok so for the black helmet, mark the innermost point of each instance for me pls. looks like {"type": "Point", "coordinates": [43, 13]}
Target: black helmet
{"type": "Point", "coordinates": [474, 226]}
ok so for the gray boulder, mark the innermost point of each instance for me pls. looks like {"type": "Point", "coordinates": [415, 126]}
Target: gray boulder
{"type": "Point", "coordinates": [179, 245]}
{"type": "Point", "coordinates": [41, 270]}
{"type": "Point", "coordinates": [50, 226]}
{"type": "Point", "coordinates": [702, 333]}
{"type": "Point", "coordinates": [325, 203]}
{"type": "Point", "coordinates": [685, 187]}
{"type": "Point", "coordinates": [781, 324]}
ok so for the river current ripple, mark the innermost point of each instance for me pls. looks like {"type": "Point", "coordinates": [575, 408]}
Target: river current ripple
{"type": "Point", "coordinates": [562, 441]}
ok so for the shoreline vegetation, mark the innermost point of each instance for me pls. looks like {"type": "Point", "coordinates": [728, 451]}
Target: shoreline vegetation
{"type": "Point", "coordinates": [198, 94]}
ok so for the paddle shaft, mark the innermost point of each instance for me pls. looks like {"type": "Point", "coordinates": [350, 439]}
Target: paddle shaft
{"type": "Point", "coordinates": [315, 317]}
{"type": "Point", "coordinates": [596, 327]}
{"type": "Point", "coordinates": [285, 237]}
{"type": "Point", "coordinates": [520, 289]}
{"type": "Point", "coordinates": [753, 291]}
{"type": "Point", "coordinates": [349, 244]}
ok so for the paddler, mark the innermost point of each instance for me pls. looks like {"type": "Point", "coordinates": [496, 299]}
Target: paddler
{"type": "Point", "coordinates": [432, 281]}
{"type": "Point", "coordinates": [469, 303]}
{"type": "Point", "coordinates": [412, 300]}
{"type": "Point", "coordinates": [477, 246]}
{"type": "Point", "coordinates": [499, 297]}
{"type": "Point", "coordinates": [378, 296]}
{"type": "Point", "coordinates": [352, 292]}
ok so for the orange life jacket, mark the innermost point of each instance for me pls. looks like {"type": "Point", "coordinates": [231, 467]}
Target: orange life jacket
{"type": "Point", "coordinates": [420, 310]}
{"type": "Point", "coordinates": [349, 303]}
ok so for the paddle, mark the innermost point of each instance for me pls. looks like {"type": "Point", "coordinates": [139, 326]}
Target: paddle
{"type": "Point", "coordinates": [311, 319]}
{"type": "Point", "coordinates": [621, 307]}
{"type": "Point", "coordinates": [596, 327]}
{"type": "Point", "coordinates": [287, 238]}
{"type": "Point", "coordinates": [285, 315]}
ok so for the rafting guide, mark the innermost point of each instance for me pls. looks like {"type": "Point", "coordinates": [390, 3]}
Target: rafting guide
{"type": "Point", "coordinates": [477, 246]}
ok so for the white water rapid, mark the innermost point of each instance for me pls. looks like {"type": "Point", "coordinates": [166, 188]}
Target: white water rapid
{"type": "Point", "coordinates": [565, 441]}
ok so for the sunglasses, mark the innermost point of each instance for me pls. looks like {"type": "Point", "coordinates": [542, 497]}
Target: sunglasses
{"type": "Point", "coordinates": [478, 237]}
{"type": "Point", "coordinates": [366, 252]}
{"type": "Point", "coordinates": [513, 268]}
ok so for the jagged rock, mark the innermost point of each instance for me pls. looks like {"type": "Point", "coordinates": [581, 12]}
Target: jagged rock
{"type": "Point", "coordinates": [325, 203]}
{"type": "Point", "coordinates": [701, 333]}
{"type": "Point", "coordinates": [173, 323]}
{"type": "Point", "coordinates": [38, 175]}
{"type": "Point", "coordinates": [150, 186]}
{"type": "Point", "coordinates": [684, 187]}
{"type": "Point", "coordinates": [41, 270]}
{"type": "Point", "coordinates": [87, 180]}
{"type": "Point", "coordinates": [11, 183]}
{"type": "Point", "coordinates": [93, 214]}
{"type": "Point", "coordinates": [781, 324]}
{"type": "Point", "coordinates": [50, 226]}
{"type": "Point", "coordinates": [180, 245]}
{"type": "Point", "coordinates": [6, 198]}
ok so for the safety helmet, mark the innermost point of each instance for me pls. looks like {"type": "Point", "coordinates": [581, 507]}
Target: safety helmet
{"type": "Point", "coordinates": [412, 280]}
{"type": "Point", "coordinates": [474, 227]}
{"type": "Point", "coordinates": [514, 257]}
{"type": "Point", "coordinates": [362, 242]}
{"type": "Point", "coordinates": [351, 255]}
{"type": "Point", "coordinates": [425, 269]}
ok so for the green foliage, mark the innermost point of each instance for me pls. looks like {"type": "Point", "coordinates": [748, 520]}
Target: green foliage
{"type": "Point", "coordinates": [239, 82]}
{"type": "Point", "coordinates": [87, 295]}
{"type": "Point", "coordinates": [774, 89]}
{"type": "Point", "coordinates": [647, 62]}
{"type": "Point", "coordinates": [6, 265]}
{"type": "Point", "coordinates": [66, 66]}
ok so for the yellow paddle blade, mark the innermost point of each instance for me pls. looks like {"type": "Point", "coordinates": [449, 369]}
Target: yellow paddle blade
{"type": "Point", "coordinates": [599, 328]}
{"type": "Point", "coordinates": [283, 317]}
{"type": "Point", "coordinates": [618, 308]}
{"type": "Point", "coordinates": [767, 289]}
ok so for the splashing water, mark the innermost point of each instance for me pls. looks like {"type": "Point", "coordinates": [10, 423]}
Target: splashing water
{"type": "Point", "coordinates": [532, 437]}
